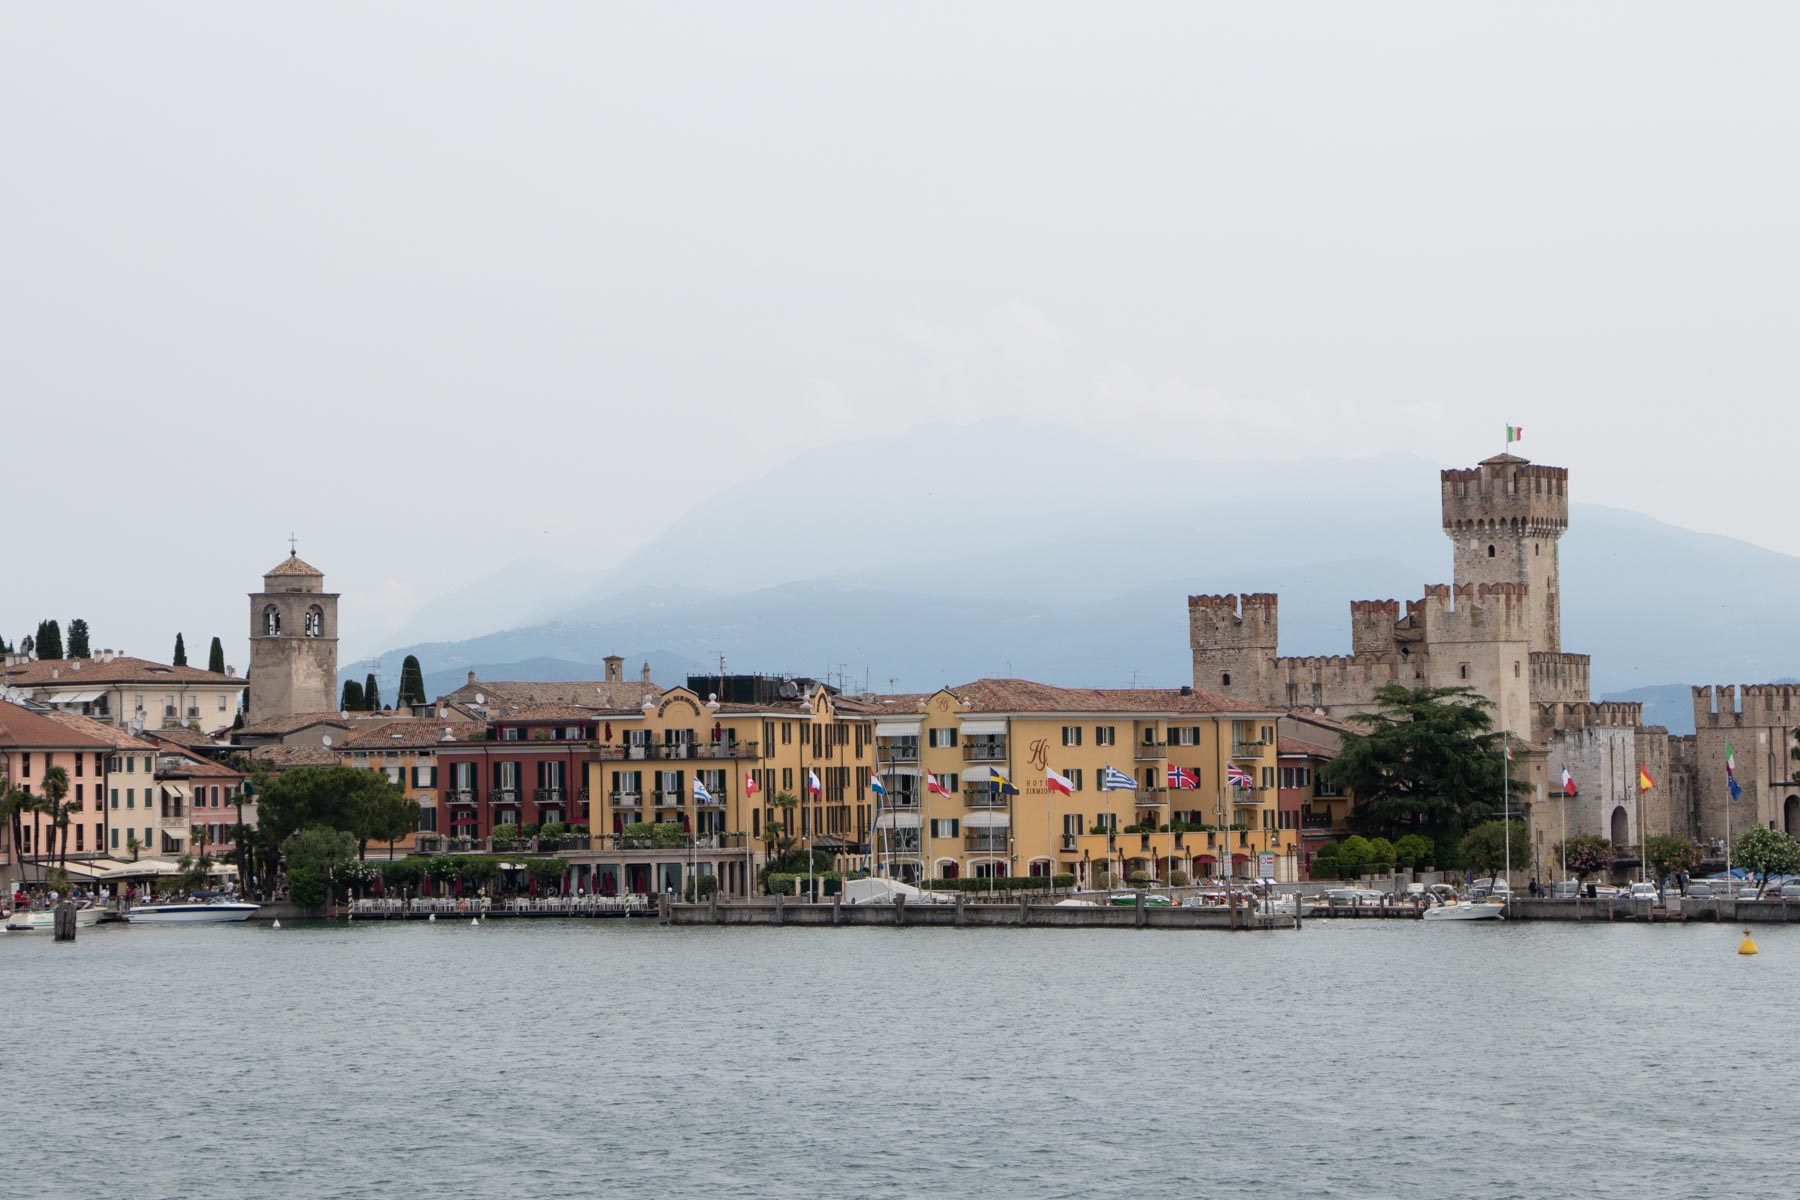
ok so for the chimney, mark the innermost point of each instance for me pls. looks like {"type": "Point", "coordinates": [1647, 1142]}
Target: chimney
{"type": "Point", "coordinates": [55, 673]}
{"type": "Point", "coordinates": [615, 668]}
{"type": "Point", "coordinates": [646, 672]}
{"type": "Point", "coordinates": [74, 664]}
{"type": "Point", "coordinates": [471, 677]}
{"type": "Point", "coordinates": [230, 671]}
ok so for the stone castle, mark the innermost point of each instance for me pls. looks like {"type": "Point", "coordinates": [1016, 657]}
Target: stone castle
{"type": "Point", "coordinates": [1497, 628]}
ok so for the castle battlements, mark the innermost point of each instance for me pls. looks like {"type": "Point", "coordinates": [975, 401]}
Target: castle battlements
{"type": "Point", "coordinates": [1476, 612]}
{"type": "Point", "coordinates": [1592, 714]}
{"type": "Point", "coordinates": [1372, 625]}
{"type": "Point", "coordinates": [1506, 493]}
{"type": "Point", "coordinates": [1559, 677]}
{"type": "Point", "coordinates": [1729, 705]}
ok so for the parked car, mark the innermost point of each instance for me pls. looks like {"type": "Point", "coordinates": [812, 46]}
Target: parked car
{"type": "Point", "coordinates": [1790, 891]}
{"type": "Point", "coordinates": [1700, 889]}
{"type": "Point", "coordinates": [1643, 891]}
{"type": "Point", "coordinates": [1565, 889]}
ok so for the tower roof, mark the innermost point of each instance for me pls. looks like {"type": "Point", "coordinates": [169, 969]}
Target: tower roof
{"type": "Point", "coordinates": [295, 566]}
{"type": "Point", "coordinates": [1501, 460]}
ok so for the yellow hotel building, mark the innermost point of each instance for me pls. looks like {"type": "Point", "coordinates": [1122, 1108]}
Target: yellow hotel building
{"type": "Point", "coordinates": [960, 736]}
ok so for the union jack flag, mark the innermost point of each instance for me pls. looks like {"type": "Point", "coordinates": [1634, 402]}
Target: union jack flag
{"type": "Point", "coordinates": [1236, 776]}
{"type": "Point", "coordinates": [1182, 779]}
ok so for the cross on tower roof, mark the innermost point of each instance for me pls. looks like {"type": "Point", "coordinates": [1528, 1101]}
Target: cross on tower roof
{"type": "Point", "coordinates": [293, 544]}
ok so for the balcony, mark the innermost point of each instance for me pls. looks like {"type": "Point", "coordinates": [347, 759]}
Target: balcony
{"type": "Point", "coordinates": [625, 799]}
{"type": "Point", "coordinates": [1151, 751]}
{"type": "Point", "coordinates": [713, 800]}
{"type": "Point", "coordinates": [1316, 821]}
{"type": "Point", "coordinates": [981, 796]}
{"type": "Point", "coordinates": [984, 750]}
{"type": "Point", "coordinates": [504, 796]}
{"type": "Point", "coordinates": [986, 841]}
{"type": "Point", "coordinates": [550, 795]}
{"type": "Point", "coordinates": [461, 795]}
{"type": "Point", "coordinates": [1246, 749]}
{"type": "Point", "coordinates": [897, 754]}
{"type": "Point", "coordinates": [1068, 843]}
{"type": "Point", "coordinates": [1152, 797]}
{"type": "Point", "coordinates": [901, 802]}
{"type": "Point", "coordinates": [1249, 797]}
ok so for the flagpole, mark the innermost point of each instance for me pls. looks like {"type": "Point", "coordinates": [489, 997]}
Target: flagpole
{"type": "Point", "coordinates": [1506, 810]}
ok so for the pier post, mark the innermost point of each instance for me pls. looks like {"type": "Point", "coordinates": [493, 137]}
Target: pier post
{"type": "Point", "coordinates": [1024, 911]}
{"type": "Point", "coordinates": [712, 904]}
{"type": "Point", "coordinates": [778, 912]}
{"type": "Point", "coordinates": [837, 909]}
{"type": "Point", "coordinates": [900, 909]}
{"type": "Point", "coordinates": [962, 917]}
{"type": "Point", "coordinates": [64, 922]}
{"type": "Point", "coordinates": [1139, 915]}
{"type": "Point", "coordinates": [1297, 907]}
{"type": "Point", "coordinates": [662, 908]}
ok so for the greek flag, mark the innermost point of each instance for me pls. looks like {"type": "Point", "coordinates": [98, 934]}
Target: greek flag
{"type": "Point", "coordinates": [1116, 781]}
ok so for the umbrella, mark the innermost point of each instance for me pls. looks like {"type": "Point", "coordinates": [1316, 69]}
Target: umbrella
{"type": "Point", "coordinates": [377, 888]}
{"type": "Point", "coordinates": [531, 881]}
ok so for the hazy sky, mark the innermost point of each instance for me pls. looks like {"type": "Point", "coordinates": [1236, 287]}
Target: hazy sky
{"type": "Point", "coordinates": [443, 284]}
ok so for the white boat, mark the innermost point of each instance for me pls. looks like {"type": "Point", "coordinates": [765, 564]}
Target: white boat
{"type": "Point", "coordinates": [26, 920]}
{"type": "Point", "coordinates": [1466, 910]}
{"type": "Point", "coordinates": [200, 912]}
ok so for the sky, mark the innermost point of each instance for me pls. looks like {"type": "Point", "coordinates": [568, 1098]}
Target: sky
{"type": "Point", "coordinates": [435, 286]}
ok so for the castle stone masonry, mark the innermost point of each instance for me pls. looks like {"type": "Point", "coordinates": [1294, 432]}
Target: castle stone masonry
{"type": "Point", "coordinates": [293, 643]}
{"type": "Point", "coordinates": [1496, 628]}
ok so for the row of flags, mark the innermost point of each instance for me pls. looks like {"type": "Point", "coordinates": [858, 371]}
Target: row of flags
{"type": "Point", "coordinates": [1111, 780]}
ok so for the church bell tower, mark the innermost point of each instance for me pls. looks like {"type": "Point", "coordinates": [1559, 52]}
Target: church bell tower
{"type": "Point", "coordinates": [293, 643]}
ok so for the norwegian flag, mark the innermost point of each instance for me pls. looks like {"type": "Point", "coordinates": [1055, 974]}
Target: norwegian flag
{"type": "Point", "coordinates": [1182, 779]}
{"type": "Point", "coordinates": [1237, 777]}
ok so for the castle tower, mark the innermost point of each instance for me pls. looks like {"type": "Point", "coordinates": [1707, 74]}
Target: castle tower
{"type": "Point", "coordinates": [1504, 518]}
{"type": "Point", "coordinates": [1233, 639]}
{"type": "Point", "coordinates": [293, 643]}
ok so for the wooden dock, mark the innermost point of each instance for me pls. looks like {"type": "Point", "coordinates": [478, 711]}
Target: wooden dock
{"type": "Point", "coordinates": [962, 914]}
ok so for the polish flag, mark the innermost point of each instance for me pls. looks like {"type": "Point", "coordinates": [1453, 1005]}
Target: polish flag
{"type": "Point", "coordinates": [1568, 783]}
{"type": "Point", "coordinates": [750, 788]}
{"type": "Point", "coordinates": [1058, 783]}
{"type": "Point", "coordinates": [932, 785]}
{"type": "Point", "coordinates": [813, 785]}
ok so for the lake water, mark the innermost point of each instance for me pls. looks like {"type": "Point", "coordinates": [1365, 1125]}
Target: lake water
{"type": "Point", "coordinates": [576, 1059]}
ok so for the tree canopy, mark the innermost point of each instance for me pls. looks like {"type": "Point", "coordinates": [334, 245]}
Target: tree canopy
{"type": "Point", "coordinates": [1668, 853]}
{"type": "Point", "coordinates": [1585, 854]}
{"type": "Point", "coordinates": [1766, 852]}
{"type": "Point", "coordinates": [412, 683]}
{"type": "Point", "coordinates": [180, 658]}
{"type": "Point", "coordinates": [78, 639]}
{"type": "Point", "coordinates": [371, 694]}
{"type": "Point", "coordinates": [355, 801]}
{"type": "Point", "coordinates": [1484, 847]}
{"type": "Point", "coordinates": [215, 658]}
{"type": "Point", "coordinates": [49, 640]}
{"type": "Point", "coordinates": [352, 698]}
{"type": "Point", "coordinates": [1429, 763]}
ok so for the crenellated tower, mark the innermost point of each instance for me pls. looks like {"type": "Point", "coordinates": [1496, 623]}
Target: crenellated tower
{"type": "Point", "coordinates": [1504, 518]}
{"type": "Point", "coordinates": [1233, 639]}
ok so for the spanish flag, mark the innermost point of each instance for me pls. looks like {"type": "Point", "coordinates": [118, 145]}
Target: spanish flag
{"type": "Point", "coordinates": [1645, 783]}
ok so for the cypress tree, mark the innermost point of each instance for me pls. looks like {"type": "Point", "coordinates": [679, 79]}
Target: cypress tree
{"type": "Point", "coordinates": [412, 683]}
{"type": "Point", "coordinates": [371, 694]}
{"type": "Point", "coordinates": [215, 659]}
{"type": "Point", "coordinates": [49, 640]}
{"type": "Point", "coordinates": [78, 639]}
{"type": "Point", "coordinates": [352, 700]}
{"type": "Point", "coordinates": [180, 651]}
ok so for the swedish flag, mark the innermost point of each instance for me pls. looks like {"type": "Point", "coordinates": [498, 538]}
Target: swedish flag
{"type": "Point", "coordinates": [999, 786]}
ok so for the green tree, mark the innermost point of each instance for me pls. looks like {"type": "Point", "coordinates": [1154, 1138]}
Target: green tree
{"type": "Point", "coordinates": [1325, 862]}
{"type": "Point", "coordinates": [1585, 854]}
{"type": "Point", "coordinates": [352, 699]}
{"type": "Point", "coordinates": [1765, 852]}
{"type": "Point", "coordinates": [1668, 853]}
{"type": "Point", "coordinates": [14, 804]}
{"type": "Point", "coordinates": [1484, 848]}
{"type": "Point", "coordinates": [412, 683]}
{"type": "Point", "coordinates": [1429, 763]}
{"type": "Point", "coordinates": [386, 814]}
{"type": "Point", "coordinates": [49, 640]}
{"type": "Point", "coordinates": [1412, 851]}
{"type": "Point", "coordinates": [1353, 855]}
{"type": "Point", "coordinates": [78, 639]}
{"type": "Point", "coordinates": [56, 789]}
{"type": "Point", "coordinates": [307, 888]}
{"type": "Point", "coordinates": [180, 658]}
{"type": "Point", "coordinates": [1381, 856]}
{"type": "Point", "coordinates": [352, 800]}
{"type": "Point", "coordinates": [371, 694]}
{"type": "Point", "coordinates": [215, 658]}
{"type": "Point", "coordinates": [318, 848]}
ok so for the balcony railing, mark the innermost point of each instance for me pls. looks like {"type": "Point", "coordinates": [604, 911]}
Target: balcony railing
{"type": "Point", "coordinates": [1153, 797]}
{"type": "Point", "coordinates": [898, 841]}
{"type": "Point", "coordinates": [1316, 821]}
{"type": "Point", "coordinates": [1246, 749]}
{"type": "Point", "coordinates": [1150, 751]}
{"type": "Point", "coordinates": [1249, 797]}
{"type": "Point", "coordinates": [504, 796]}
{"type": "Point", "coordinates": [985, 841]}
{"type": "Point", "coordinates": [461, 795]}
{"type": "Point", "coordinates": [907, 801]}
{"type": "Point", "coordinates": [625, 799]}
{"type": "Point", "coordinates": [979, 795]}
{"type": "Point", "coordinates": [984, 751]}
{"type": "Point", "coordinates": [713, 800]}
{"type": "Point", "coordinates": [548, 795]}
{"type": "Point", "coordinates": [897, 754]}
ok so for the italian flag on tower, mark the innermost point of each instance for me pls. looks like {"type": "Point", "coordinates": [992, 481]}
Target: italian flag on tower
{"type": "Point", "coordinates": [1515, 433]}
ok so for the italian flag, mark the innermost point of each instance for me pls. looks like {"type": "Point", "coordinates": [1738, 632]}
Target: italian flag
{"type": "Point", "coordinates": [1515, 433]}
{"type": "Point", "coordinates": [1568, 783]}
{"type": "Point", "coordinates": [1058, 783]}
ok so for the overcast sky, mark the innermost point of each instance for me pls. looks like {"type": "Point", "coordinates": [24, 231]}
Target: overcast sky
{"type": "Point", "coordinates": [443, 284]}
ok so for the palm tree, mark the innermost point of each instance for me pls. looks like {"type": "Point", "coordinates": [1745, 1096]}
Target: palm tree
{"type": "Point", "coordinates": [56, 787]}
{"type": "Point", "coordinates": [13, 805]}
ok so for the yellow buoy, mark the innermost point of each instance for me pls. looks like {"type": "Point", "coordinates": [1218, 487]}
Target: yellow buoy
{"type": "Point", "coordinates": [1746, 946]}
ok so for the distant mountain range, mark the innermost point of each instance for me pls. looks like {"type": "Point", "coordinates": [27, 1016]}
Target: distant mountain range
{"type": "Point", "coordinates": [944, 554]}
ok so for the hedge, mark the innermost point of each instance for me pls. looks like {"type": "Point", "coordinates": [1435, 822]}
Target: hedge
{"type": "Point", "coordinates": [1005, 883]}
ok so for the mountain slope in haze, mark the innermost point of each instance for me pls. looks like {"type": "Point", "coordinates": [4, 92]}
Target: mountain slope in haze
{"type": "Point", "coordinates": [990, 558]}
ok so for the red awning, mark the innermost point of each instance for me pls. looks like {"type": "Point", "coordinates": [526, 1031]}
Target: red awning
{"type": "Point", "coordinates": [1206, 858]}
{"type": "Point", "coordinates": [1238, 858]}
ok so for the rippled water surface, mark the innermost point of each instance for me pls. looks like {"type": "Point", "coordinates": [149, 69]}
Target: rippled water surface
{"type": "Point", "coordinates": [578, 1059]}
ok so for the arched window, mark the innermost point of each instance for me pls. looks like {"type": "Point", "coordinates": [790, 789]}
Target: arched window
{"type": "Point", "coordinates": [271, 621]}
{"type": "Point", "coordinates": [1621, 827]}
{"type": "Point", "coordinates": [1465, 670]}
{"type": "Point", "coordinates": [315, 622]}
{"type": "Point", "coordinates": [1490, 552]}
{"type": "Point", "coordinates": [1225, 679]}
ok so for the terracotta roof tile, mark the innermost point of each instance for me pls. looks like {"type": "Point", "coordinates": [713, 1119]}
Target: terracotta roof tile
{"type": "Point", "coordinates": [291, 722]}
{"type": "Point", "coordinates": [283, 758]}
{"type": "Point", "coordinates": [294, 565]}
{"type": "Point", "coordinates": [38, 673]}
{"type": "Point", "coordinates": [413, 733]}
{"type": "Point", "coordinates": [22, 727]}
{"type": "Point", "coordinates": [1023, 695]}
{"type": "Point", "coordinates": [590, 693]}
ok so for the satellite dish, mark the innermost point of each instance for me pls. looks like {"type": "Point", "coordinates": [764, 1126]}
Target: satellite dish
{"type": "Point", "coordinates": [480, 699]}
{"type": "Point", "coordinates": [326, 740]}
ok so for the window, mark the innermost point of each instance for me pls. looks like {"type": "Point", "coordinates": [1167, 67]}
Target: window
{"type": "Point", "coordinates": [1072, 825]}
{"type": "Point", "coordinates": [427, 819]}
{"type": "Point", "coordinates": [149, 764]}
{"type": "Point", "coordinates": [271, 628]}
{"type": "Point", "coordinates": [25, 765]}
{"type": "Point", "coordinates": [1490, 552]}
{"type": "Point", "coordinates": [1225, 679]}
{"type": "Point", "coordinates": [1105, 735]}
{"type": "Point", "coordinates": [628, 783]}
{"type": "Point", "coordinates": [1268, 735]}
{"type": "Point", "coordinates": [1268, 777]}
{"type": "Point", "coordinates": [115, 797]}
{"type": "Point", "coordinates": [1515, 668]}
{"type": "Point", "coordinates": [1464, 669]}
{"type": "Point", "coordinates": [315, 621]}
{"type": "Point", "coordinates": [80, 839]}
{"type": "Point", "coordinates": [1071, 735]}
{"type": "Point", "coordinates": [78, 761]}
{"type": "Point", "coordinates": [1184, 735]}
{"type": "Point", "coordinates": [130, 797]}
{"type": "Point", "coordinates": [509, 734]}
{"type": "Point", "coordinates": [1073, 775]}
{"type": "Point", "coordinates": [115, 839]}
{"type": "Point", "coordinates": [221, 703]}
{"type": "Point", "coordinates": [1269, 816]}
{"type": "Point", "coordinates": [942, 739]}
{"type": "Point", "coordinates": [947, 828]}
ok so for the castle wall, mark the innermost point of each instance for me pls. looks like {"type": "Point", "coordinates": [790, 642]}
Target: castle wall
{"type": "Point", "coordinates": [1479, 637]}
{"type": "Point", "coordinates": [1758, 722]}
{"type": "Point", "coordinates": [1603, 760]}
{"type": "Point", "coordinates": [1559, 678]}
{"type": "Point", "coordinates": [1233, 641]}
{"type": "Point", "coordinates": [1504, 518]}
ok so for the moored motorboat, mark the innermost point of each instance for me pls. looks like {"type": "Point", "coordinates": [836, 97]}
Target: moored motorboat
{"type": "Point", "coordinates": [26, 920]}
{"type": "Point", "coordinates": [1466, 910]}
{"type": "Point", "coordinates": [198, 912]}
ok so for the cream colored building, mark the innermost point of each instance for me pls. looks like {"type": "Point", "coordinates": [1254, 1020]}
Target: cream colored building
{"type": "Point", "coordinates": [124, 691]}
{"type": "Point", "coordinates": [1177, 747]}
